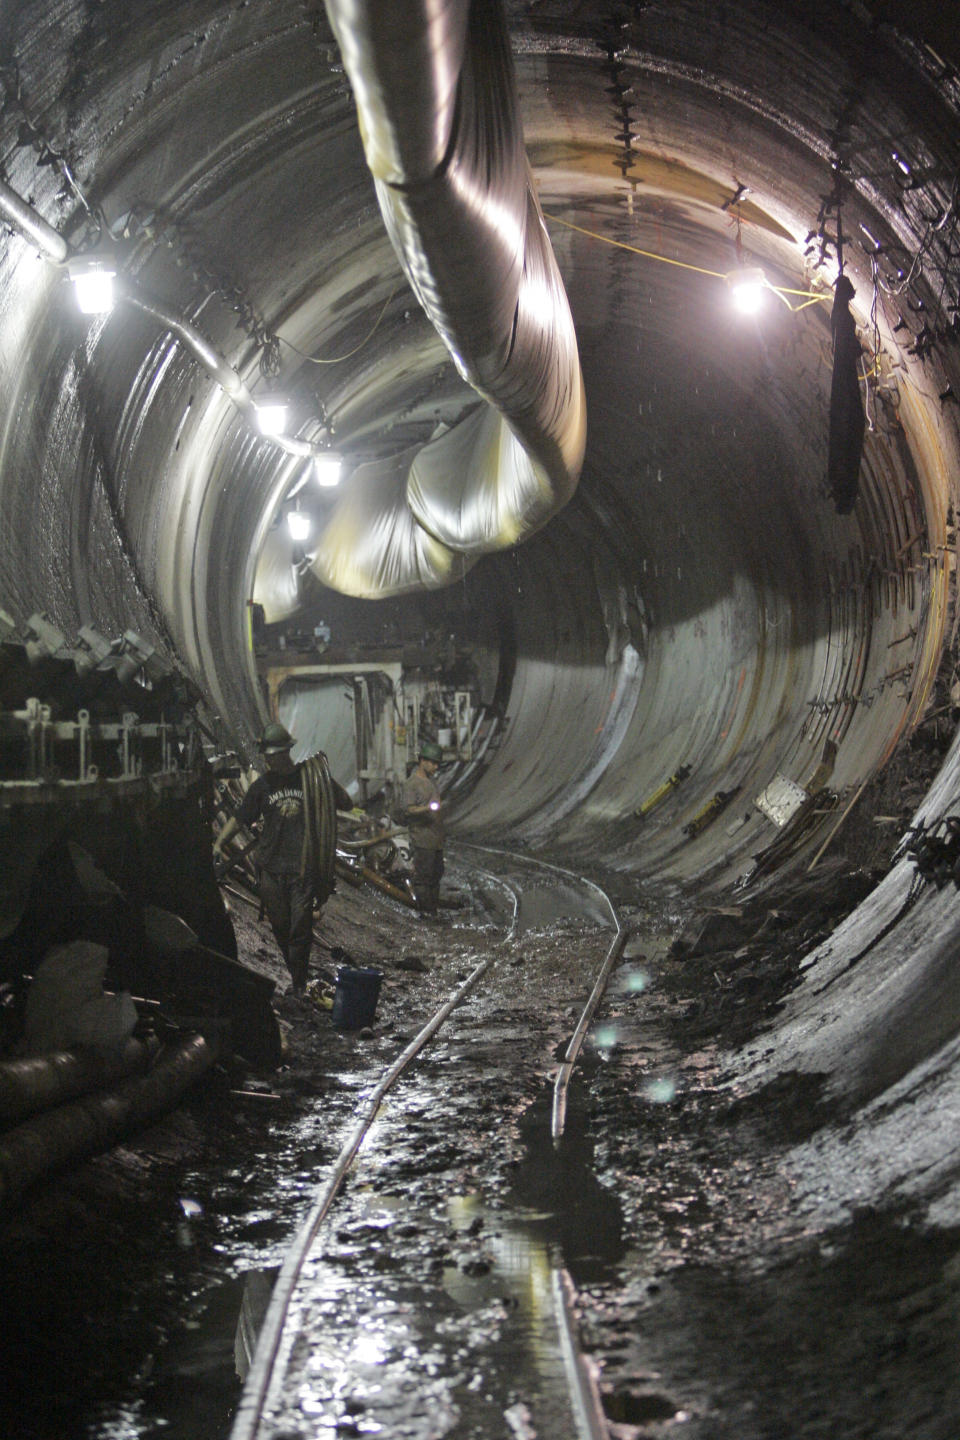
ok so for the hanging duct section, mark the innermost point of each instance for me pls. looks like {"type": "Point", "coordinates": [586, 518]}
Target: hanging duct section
{"type": "Point", "coordinates": [438, 114]}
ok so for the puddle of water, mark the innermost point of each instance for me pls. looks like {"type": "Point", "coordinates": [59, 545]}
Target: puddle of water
{"type": "Point", "coordinates": [565, 1203]}
{"type": "Point", "coordinates": [544, 905]}
{"type": "Point", "coordinates": [518, 1292]}
{"type": "Point", "coordinates": [393, 1345]}
{"type": "Point", "coordinates": [431, 1323]}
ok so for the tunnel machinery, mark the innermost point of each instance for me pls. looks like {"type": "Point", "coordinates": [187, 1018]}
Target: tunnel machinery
{"type": "Point", "coordinates": [573, 384]}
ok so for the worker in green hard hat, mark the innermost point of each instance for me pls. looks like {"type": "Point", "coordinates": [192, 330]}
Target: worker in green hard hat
{"type": "Point", "coordinates": [422, 813]}
{"type": "Point", "coordinates": [292, 809]}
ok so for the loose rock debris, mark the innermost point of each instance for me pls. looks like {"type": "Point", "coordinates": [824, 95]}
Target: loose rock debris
{"type": "Point", "coordinates": [717, 1314]}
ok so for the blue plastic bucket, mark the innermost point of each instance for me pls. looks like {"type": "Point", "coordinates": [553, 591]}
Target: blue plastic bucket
{"type": "Point", "coordinates": [355, 998]}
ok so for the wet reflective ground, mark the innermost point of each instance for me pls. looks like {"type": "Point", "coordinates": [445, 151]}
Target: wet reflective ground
{"type": "Point", "coordinates": [136, 1334]}
{"type": "Point", "coordinates": [713, 1306]}
{"type": "Point", "coordinates": [430, 1307]}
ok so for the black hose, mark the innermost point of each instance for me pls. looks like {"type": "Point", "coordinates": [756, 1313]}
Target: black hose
{"type": "Point", "coordinates": [319, 854]}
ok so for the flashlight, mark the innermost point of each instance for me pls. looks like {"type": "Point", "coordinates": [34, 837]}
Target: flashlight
{"type": "Point", "coordinates": [434, 804]}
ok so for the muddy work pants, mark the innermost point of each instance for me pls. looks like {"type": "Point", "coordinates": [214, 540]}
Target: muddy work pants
{"type": "Point", "coordinates": [427, 870]}
{"type": "Point", "coordinates": [288, 902]}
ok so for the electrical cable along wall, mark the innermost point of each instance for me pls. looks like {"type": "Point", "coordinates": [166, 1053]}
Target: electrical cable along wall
{"type": "Point", "coordinates": [777, 637]}
{"type": "Point", "coordinates": [122, 421]}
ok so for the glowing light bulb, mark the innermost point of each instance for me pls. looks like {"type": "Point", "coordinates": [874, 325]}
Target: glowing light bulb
{"type": "Point", "coordinates": [326, 469]}
{"type": "Point", "coordinates": [271, 413]}
{"type": "Point", "coordinates": [746, 289]}
{"type": "Point", "coordinates": [93, 284]}
{"type": "Point", "coordinates": [298, 524]}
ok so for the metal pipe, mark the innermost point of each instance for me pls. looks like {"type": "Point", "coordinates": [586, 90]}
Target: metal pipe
{"type": "Point", "coordinates": [32, 224]}
{"type": "Point", "coordinates": [224, 374]}
{"type": "Point", "coordinates": [371, 876]}
{"type": "Point", "coordinates": [212, 361]}
{"type": "Point", "coordinates": [57, 1137]}
{"type": "Point", "coordinates": [39, 1082]}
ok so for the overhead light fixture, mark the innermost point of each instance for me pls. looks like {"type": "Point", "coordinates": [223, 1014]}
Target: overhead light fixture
{"type": "Point", "coordinates": [92, 279]}
{"type": "Point", "coordinates": [298, 523]}
{"type": "Point", "coordinates": [271, 412]}
{"type": "Point", "coordinates": [746, 288]}
{"type": "Point", "coordinates": [326, 469]}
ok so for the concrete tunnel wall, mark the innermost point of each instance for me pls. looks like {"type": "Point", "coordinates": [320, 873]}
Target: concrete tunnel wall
{"type": "Point", "coordinates": [698, 602]}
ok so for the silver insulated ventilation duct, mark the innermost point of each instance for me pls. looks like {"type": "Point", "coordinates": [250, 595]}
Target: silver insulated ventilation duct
{"type": "Point", "coordinates": [437, 105]}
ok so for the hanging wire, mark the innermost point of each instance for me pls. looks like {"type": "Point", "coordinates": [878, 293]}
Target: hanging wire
{"type": "Point", "coordinates": [812, 297]}
{"type": "Point", "coordinates": [622, 245]}
{"type": "Point", "coordinates": [737, 219]}
{"type": "Point", "coordinates": [949, 243]}
{"type": "Point", "coordinates": [269, 354]}
{"type": "Point", "coordinates": [870, 392]}
{"type": "Point", "coordinates": [933, 228]}
{"type": "Point", "coordinates": [338, 359]}
{"type": "Point", "coordinates": [30, 134]}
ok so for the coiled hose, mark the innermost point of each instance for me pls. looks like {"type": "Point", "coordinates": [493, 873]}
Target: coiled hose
{"type": "Point", "coordinates": [319, 854]}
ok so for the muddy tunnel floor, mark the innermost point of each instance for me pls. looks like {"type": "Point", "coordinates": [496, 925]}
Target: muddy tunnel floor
{"type": "Point", "coordinates": [714, 1305]}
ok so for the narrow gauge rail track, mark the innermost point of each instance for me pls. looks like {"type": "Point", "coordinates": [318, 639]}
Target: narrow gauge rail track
{"type": "Point", "coordinates": [562, 1081]}
{"type": "Point", "coordinates": [361, 1357]}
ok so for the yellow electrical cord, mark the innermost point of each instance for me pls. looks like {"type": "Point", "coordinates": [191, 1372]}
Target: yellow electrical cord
{"type": "Point", "coordinates": [812, 297]}
{"type": "Point", "coordinates": [647, 254]}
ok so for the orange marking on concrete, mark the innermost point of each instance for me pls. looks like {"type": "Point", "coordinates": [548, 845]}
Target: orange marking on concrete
{"type": "Point", "coordinates": [603, 722]}
{"type": "Point", "coordinates": [736, 701]}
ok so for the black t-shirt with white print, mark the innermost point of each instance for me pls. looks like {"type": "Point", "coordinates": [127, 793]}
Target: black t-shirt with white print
{"type": "Point", "coordinates": [276, 801]}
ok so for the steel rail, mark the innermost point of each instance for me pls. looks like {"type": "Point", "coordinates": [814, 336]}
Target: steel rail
{"type": "Point", "coordinates": [269, 1362]}
{"type": "Point", "coordinates": [586, 1404]}
{"type": "Point", "coordinates": [581, 1379]}
{"type": "Point", "coordinates": [266, 1373]}
{"type": "Point", "coordinates": [561, 1082]}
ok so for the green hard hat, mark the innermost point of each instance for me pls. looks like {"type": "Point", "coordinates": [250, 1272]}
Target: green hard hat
{"type": "Point", "coordinates": [430, 750]}
{"type": "Point", "coordinates": [275, 737]}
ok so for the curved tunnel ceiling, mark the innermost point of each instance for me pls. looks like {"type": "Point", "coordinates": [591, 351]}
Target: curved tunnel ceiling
{"type": "Point", "coordinates": [698, 606]}
{"type": "Point", "coordinates": [218, 149]}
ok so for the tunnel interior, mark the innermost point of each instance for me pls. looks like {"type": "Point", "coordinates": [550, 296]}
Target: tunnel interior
{"type": "Point", "coordinates": [702, 626]}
